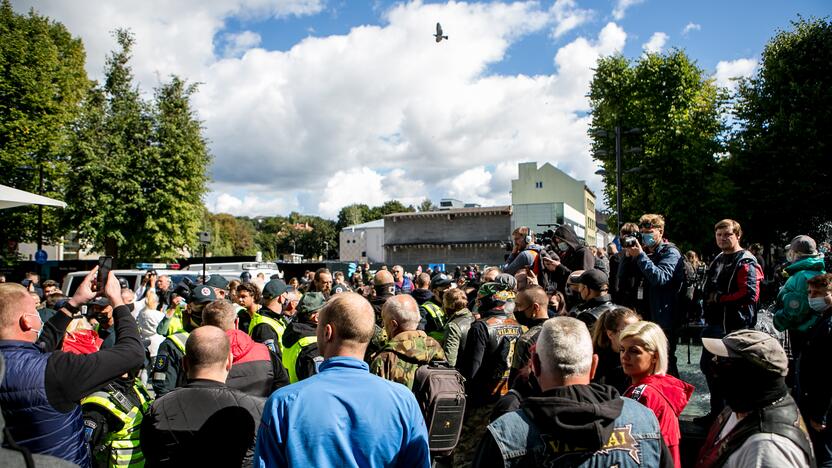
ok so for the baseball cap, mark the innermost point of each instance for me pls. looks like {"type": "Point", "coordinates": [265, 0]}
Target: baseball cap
{"type": "Point", "coordinates": [203, 294]}
{"type": "Point", "coordinates": [594, 279]}
{"type": "Point", "coordinates": [754, 346]}
{"type": "Point", "coordinates": [574, 278]}
{"type": "Point", "coordinates": [803, 245]}
{"type": "Point", "coordinates": [440, 280]}
{"type": "Point", "coordinates": [100, 301]}
{"type": "Point", "coordinates": [217, 281]}
{"type": "Point", "coordinates": [310, 302]}
{"type": "Point", "coordinates": [274, 288]}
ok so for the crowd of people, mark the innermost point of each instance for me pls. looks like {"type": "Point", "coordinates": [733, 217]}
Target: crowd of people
{"type": "Point", "coordinates": [565, 356]}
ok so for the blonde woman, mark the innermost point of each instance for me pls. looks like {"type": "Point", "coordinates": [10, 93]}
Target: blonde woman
{"type": "Point", "coordinates": [644, 359]}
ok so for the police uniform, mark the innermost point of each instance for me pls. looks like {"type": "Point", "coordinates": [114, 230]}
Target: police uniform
{"type": "Point", "coordinates": [268, 326]}
{"type": "Point", "coordinates": [301, 357]}
{"type": "Point", "coordinates": [168, 371]}
{"type": "Point", "coordinates": [112, 419]}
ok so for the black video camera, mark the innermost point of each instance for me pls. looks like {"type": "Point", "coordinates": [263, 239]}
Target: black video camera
{"type": "Point", "coordinates": [544, 238]}
{"type": "Point", "coordinates": [183, 288]}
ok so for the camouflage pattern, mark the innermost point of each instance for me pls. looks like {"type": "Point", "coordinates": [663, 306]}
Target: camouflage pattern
{"type": "Point", "coordinates": [403, 354]}
{"type": "Point", "coordinates": [473, 430]}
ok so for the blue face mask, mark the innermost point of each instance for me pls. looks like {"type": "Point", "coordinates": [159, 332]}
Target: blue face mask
{"type": "Point", "coordinates": [818, 304]}
{"type": "Point", "coordinates": [647, 239]}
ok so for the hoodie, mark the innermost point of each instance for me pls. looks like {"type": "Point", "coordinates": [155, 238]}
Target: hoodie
{"type": "Point", "coordinates": [422, 295]}
{"type": "Point", "coordinates": [666, 396]}
{"type": "Point", "coordinates": [255, 370]}
{"type": "Point", "coordinates": [577, 415]}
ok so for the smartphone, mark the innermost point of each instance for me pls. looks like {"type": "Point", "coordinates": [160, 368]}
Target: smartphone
{"type": "Point", "coordinates": [105, 264]}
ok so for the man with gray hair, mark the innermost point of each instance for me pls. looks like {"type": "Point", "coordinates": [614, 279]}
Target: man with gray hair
{"type": "Point", "coordinates": [573, 422]}
{"type": "Point", "coordinates": [408, 347]}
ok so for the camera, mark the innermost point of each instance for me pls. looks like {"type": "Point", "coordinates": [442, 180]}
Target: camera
{"type": "Point", "coordinates": [630, 241]}
{"type": "Point", "coordinates": [183, 289]}
{"type": "Point", "coordinates": [544, 238]}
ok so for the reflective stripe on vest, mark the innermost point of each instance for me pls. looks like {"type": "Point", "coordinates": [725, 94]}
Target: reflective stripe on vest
{"type": "Point", "coordinates": [439, 318]}
{"type": "Point", "coordinates": [122, 447]}
{"type": "Point", "coordinates": [290, 356]}
{"type": "Point", "coordinates": [179, 340]}
{"type": "Point", "coordinates": [278, 326]}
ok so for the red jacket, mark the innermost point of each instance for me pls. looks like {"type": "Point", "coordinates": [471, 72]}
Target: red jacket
{"type": "Point", "coordinates": [666, 396]}
{"type": "Point", "coordinates": [254, 369]}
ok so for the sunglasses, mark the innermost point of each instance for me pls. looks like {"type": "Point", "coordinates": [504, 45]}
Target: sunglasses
{"type": "Point", "coordinates": [647, 225]}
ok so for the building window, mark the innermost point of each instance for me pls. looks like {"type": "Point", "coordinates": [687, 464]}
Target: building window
{"type": "Point", "coordinates": [538, 185]}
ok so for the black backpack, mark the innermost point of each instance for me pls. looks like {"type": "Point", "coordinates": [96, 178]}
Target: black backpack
{"type": "Point", "coordinates": [440, 391]}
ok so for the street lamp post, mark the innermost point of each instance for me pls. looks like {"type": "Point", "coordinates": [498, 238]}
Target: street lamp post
{"type": "Point", "coordinates": [618, 167]}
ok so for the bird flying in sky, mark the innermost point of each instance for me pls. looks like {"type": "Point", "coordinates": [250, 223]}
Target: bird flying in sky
{"type": "Point", "coordinates": [438, 34]}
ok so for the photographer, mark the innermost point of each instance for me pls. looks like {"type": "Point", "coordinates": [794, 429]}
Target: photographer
{"type": "Point", "coordinates": [572, 256]}
{"type": "Point", "coordinates": [661, 266]}
{"type": "Point", "coordinates": [732, 290]}
{"type": "Point", "coordinates": [526, 254]}
{"type": "Point", "coordinates": [43, 386]}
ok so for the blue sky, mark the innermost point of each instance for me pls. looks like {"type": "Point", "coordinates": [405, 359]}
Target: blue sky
{"type": "Point", "coordinates": [310, 105]}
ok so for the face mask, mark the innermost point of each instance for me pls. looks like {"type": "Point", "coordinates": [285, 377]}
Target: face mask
{"type": "Point", "coordinates": [818, 304]}
{"type": "Point", "coordinates": [647, 239]}
{"type": "Point", "coordinates": [525, 321]}
{"type": "Point", "coordinates": [553, 311]}
{"type": "Point", "coordinates": [39, 330]}
{"type": "Point", "coordinates": [563, 246]}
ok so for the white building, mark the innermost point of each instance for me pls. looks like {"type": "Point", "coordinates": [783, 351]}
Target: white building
{"type": "Point", "coordinates": [362, 242]}
{"type": "Point", "coordinates": [547, 195]}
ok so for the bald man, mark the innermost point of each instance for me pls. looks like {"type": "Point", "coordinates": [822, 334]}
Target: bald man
{"type": "Point", "coordinates": [408, 347]}
{"type": "Point", "coordinates": [386, 426]}
{"type": "Point", "coordinates": [189, 426]}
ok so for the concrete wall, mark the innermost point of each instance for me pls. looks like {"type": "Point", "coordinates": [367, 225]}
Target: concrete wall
{"type": "Point", "coordinates": [362, 245]}
{"type": "Point", "coordinates": [418, 255]}
{"type": "Point", "coordinates": [446, 227]}
{"type": "Point", "coordinates": [464, 237]}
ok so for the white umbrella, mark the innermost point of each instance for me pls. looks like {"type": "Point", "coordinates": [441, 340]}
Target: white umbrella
{"type": "Point", "coordinates": [11, 197]}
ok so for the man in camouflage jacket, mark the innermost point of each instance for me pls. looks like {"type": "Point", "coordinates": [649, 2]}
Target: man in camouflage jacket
{"type": "Point", "coordinates": [409, 347]}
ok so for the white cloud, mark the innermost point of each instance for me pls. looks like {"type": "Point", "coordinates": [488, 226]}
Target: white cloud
{"type": "Point", "coordinates": [621, 7]}
{"type": "Point", "coordinates": [237, 44]}
{"type": "Point", "coordinates": [691, 27]}
{"type": "Point", "coordinates": [727, 71]}
{"type": "Point", "coordinates": [377, 113]}
{"type": "Point", "coordinates": [656, 43]}
{"type": "Point", "coordinates": [567, 16]}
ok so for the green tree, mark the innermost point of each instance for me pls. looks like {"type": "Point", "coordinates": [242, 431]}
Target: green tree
{"type": "Point", "coordinates": [42, 82]}
{"type": "Point", "coordinates": [427, 205]}
{"type": "Point", "coordinates": [138, 169]}
{"type": "Point", "coordinates": [353, 214]}
{"type": "Point", "coordinates": [677, 109]}
{"type": "Point", "coordinates": [779, 158]}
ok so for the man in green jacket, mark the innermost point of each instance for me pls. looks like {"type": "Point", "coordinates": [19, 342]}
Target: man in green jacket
{"type": "Point", "coordinates": [792, 311]}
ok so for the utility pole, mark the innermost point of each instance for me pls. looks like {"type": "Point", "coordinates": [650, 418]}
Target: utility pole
{"type": "Point", "coordinates": [618, 178]}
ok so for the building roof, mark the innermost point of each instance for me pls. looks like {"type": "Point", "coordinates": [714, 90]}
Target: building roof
{"type": "Point", "coordinates": [427, 244]}
{"type": "Point", "coordinates": [378, 223]}
{"type": "Point", "coordinates": [480, 211]}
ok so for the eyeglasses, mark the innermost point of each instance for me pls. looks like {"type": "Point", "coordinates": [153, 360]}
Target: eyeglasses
{"type": "Point", "coordinates": [647, 225]}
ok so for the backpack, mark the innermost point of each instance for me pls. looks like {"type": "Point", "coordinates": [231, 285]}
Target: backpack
{"type": "Point", "coordinates": [440, 391]}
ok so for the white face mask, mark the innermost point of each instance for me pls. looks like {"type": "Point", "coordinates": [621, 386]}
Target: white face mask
{"type": "Point", "coordinates": [39, 330]}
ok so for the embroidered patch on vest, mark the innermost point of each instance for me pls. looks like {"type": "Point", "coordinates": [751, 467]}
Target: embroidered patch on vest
{"type": "Point", "coordinates": [270, 344]}
{"type": "Point", "coordinates": [622, 438]}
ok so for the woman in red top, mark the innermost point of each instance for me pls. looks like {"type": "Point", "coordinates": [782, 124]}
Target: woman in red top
{"type": "Point", "coordinates": [644, 359]}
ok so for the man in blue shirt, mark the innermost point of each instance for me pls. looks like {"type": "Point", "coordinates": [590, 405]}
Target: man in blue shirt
{"type": "Point", "coordinates": [343, 416]}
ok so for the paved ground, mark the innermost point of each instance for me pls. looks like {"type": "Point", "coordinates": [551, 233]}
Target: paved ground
{"type": "Point", "coordinates": [690, 373]}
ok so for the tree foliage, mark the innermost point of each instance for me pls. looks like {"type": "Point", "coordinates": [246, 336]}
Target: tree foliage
{"type": "Point", "coordinates": [676, 172]}
{"type": "Point", "coordinates": [780, 155]}
{"type": "Point", "coordinates": [139, 168]}
{"type": "Point", "coordinates": [42, 82]}
{"type": "Point", "coordinates": [361, 213]}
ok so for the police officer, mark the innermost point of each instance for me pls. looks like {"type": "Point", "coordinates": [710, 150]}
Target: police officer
{"type": "Point", "coordinates": [269, 323]}
{"type": "Point", "coordinates": [432, 316]}
{"type": "Point", "coordinates": [300, 343]}
{"type": "Point", "coordinates": [112, 418]}
{"type": "Point", "coordinates": [168, 372]}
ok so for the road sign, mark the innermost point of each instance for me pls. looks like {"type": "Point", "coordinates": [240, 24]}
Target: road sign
{"type": "Point", "coordinates": [40, 257]}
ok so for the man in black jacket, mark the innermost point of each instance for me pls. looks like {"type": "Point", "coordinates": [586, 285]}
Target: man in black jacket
{"type": "Point", "coordinates": [573, 256]}
{"type": "Point", "coordinates": [43, 386]}
{"type": "Point", "coordinates": [257, 370]}
{"type": "Point", "coordinates": [204, 423]}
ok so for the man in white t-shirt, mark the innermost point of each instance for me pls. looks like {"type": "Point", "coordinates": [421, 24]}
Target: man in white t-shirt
{"type": "Point", "coordinates": [761, 425]}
